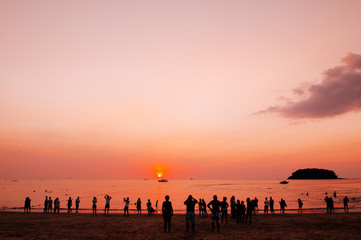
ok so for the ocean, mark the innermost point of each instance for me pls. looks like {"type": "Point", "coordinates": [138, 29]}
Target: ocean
{"type": "Point", "coordinates": [14, 192]}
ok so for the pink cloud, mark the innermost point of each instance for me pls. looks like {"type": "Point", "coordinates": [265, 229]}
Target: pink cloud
{"type": "Point", "coordinates": [338, 93]}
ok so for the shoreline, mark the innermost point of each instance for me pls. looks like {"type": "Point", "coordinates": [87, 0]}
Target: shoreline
{"type": "Point", "coordinates": [19, 225]}
{"type": "Point", "coordinates": [134, 211]}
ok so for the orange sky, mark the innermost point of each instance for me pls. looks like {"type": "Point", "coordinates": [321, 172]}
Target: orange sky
{"type": "Point", "coordinates": [208, 89]}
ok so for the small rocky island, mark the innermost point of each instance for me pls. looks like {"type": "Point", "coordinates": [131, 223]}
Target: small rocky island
{"type": "Point", "coordinates": [313, 173]}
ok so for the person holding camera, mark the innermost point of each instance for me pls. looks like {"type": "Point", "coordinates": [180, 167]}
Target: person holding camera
{"type": "Point", "coordinates": [190, 215]}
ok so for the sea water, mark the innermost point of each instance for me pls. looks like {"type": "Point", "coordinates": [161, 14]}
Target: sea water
{"type": "Point", "coordinates": [312, 192]}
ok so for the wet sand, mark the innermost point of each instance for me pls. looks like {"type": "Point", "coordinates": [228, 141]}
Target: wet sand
{"type": "Point", "coordinates": [17, 225]}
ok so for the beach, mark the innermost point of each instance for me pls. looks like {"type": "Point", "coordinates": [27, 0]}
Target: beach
{"type": "Point", "coordinates": [18, 225]}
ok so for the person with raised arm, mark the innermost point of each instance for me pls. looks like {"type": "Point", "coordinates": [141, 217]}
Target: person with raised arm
{"type": "Point", "coordinates": [190, 215]}
{"type": "Point", "coordinates": [107, 204]}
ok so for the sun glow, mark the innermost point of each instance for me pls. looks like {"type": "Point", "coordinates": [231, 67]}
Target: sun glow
{"type": "Point", "coordinates": [159, 171]}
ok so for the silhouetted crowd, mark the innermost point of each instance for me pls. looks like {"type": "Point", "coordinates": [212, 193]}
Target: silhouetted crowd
{"type": "Point", "coordinates": [241, 211]}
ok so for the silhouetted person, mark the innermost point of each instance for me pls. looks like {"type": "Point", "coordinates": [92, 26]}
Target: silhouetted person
{"type": "Point", "coordinates": [300, 204]}
{"type": "Point", "coordinates": [126, 206]}
{"type": "Point", "coordinates": [335, 195]}
{"type": "Point", "coordinates": [224, 209]}
{"type": "Point", "coordinates": [272, 205]}
{"type": "Point", "coordinates": [27, 205]}
{"type": "Point", "coordinates": [200, 208]}
{"type": "Point", "coordinates": [233, 207]}
{"type": "Point", "coordinates": [69, 204]}
{"type": "Point", "coordinates": [266, 205]}
{"type": "Point", "coordinates": [107, 204]}
{"type": "Point", "coordinates": [46, 203]}
{"type": "Point", "coordinates": [94, 205]}
{"type": "Point", "coordinates": [50, 204]}
{"type": "Point", "coordinates": [149, 207]}
{"type": "Point", "coordinates": [167, 212]}
{"type": "Point", "coordinates": [77, 201]}
{"type": "Point", "coordinates": [56, 205]}
{"type": "Point", "coordinates": [345, 203]}
{"type": "Point", "coordinates": [255, 205]}
{"type": "Point", "coordinates": [282, 205]}
{"type": "Point", "coordinates": [190, 215]}
{"type": "Point", "coordinates": [156, 205]}
{"type": "Point", "coordinates": [330, 205]}
{"type": "Point", "coordinates": [139, 206]}
{"type": "Point", "coordinates": [204, 208]}
{"type": "Point", "coordinates": [249, 210]}
{"type": "Point", "coordinates": [241, 210]}
{"type": "Point", "coordinates": [327, 204]}
{"type": "Point", "coordinates": [215, 209]}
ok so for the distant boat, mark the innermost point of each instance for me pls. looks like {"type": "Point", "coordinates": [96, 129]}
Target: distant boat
{"type": "Point", "coordinates": [284, 182]}
{"type": "Point", "coordinates": [162, 180]}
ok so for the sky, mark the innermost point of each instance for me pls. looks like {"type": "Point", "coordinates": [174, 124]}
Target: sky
{"type": "Point", "coordinates": [201, 89]}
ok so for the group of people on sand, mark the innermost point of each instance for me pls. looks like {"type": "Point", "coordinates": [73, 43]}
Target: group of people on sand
{"type": "Point", "coordinates": [202, 208]}
{"type": "Point", "coordinates": [48, 204]}
{"type": "Point", "coordinates": [240, 210]}
{"type": "Point", "coordinates": [269, 204]}
{"type": "Point", "coordinates": [219, 211]}
{"type": "Point", "coordinates": [330, 206]}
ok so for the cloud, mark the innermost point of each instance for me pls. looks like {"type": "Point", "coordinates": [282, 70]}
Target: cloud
{"type": "Point", "coordinates": [338, 93]}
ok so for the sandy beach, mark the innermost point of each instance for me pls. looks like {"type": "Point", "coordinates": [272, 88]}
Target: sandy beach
{"type": "Point", "coordinates": [17, 225]}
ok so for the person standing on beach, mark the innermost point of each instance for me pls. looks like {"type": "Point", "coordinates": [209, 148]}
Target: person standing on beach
{"type": "Point", "coordinates": [50, 204]}
{"type": "Point", "coordinates": [266, 204]}
{"type": "Point", "coordinates": [345, 203]}
{"type": "Point", "coordinates": [107, 204]}
{"type": "Point", "coordinates": [167, 212]}
{"type": "Point", "coordinates": [249, 210]}
{"type": "Point", "coordinates": [156, 205]}
{"type": "Point", "coordinates": [56, 205]}
{"type": "Point", "coordinates": [215, 209]}
{"type": "Point", "coordinates": [77, 201]}
{"type": "Point", "coordinates": [241, 210]}
{"type": "Point", "coordinates": [331, 206]}
{"type": "Point", "coordinates": [300, 204]}
{"type": "Point", "coordinates": [139, 206]}
{"type": "Point", "coordinates": [190, 215]}
{"type": "Point", "coordinates": [126, 207]}
{"type": "Point", "coordinates": [204, 208]}
{"type": "Point", "coordinates": [27, 205]}
{"type": "Point", "coordinates": [233, 207]}
{"type": "Point", "coordinates": [327, 204]}
{"type": "Point", "coordinates": [149, 207]}
{"type": "Point", "coordinates": [271, 205]}
{"type": "Point", "coordinates": [70, 203]}
{"type": "Point", "coordinates": [282, 205]}
{"type": "Point", "coordinates": [200, 208]}
{"type": "Point", "coordinates": [255, 205]}
{"type": "Point", "coordinates": [46, 204]}
{"type": "Point", "coordinates": [224, 209]}
{"type": "Point", "coordinates": [94, 206]}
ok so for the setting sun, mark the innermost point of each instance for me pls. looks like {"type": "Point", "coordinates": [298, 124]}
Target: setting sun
{"type": "Point", "coordinates": [159, 171]}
